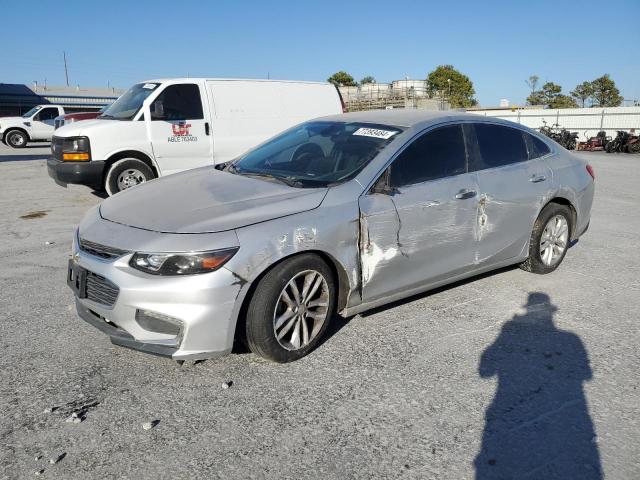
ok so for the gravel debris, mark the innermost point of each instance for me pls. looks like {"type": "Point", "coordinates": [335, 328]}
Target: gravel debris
{"type": "Point", "coordinates": [56, 458]}
{"type": "Point", "coordinates": [150, 425]}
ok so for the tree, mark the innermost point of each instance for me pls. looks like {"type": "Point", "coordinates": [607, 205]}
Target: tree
{"type": "Point", "coordinates": [583, 92]}
{"type": "Point", "coordinates": [551, 96]}
{"type": "Point", "coordinates": [532, 81]}
{"type": "Point", "coordinates": [367, 79]}
{"type": "Point", "coordinates": [563, 101]}
{"type": "Point", "coordinates": [342, 79]}
{"type": "Point", "coordinates": [448, 82]}
{"type": "Point", "coordinates": [605, 92]}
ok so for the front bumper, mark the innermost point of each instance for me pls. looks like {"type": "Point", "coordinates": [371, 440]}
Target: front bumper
{"type": "Point", "coordinates": [202, 305]}
{"type": "Point", "coordinates": [84, 173]}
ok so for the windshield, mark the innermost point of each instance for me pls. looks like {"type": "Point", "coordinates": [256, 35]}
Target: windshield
{"type": "Point", "coordinates": [128, 104]}
{"type": "Point", "coordinates": [31, 112]}
{"type": "Point", "coordinates": [316, 154]}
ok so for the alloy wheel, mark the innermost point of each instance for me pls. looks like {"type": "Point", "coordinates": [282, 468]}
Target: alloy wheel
{"type": "Point", "coordinates": [554, 239]}
{"type": "Point", "coordinates": [301, 310]}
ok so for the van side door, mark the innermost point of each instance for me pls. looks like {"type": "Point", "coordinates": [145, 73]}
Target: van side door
{"type": "Point", "coordinates": [514, 182]}
{"type": "Point", "coordinates": [179, 129]}
{"type": "Point", "coordinates": [420, 232]}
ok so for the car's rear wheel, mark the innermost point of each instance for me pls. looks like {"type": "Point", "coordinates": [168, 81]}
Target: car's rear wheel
{"type": "Point", "coordinates": [126, 173]}
{"type": "Point", "coordinates": [549, 239]}
{"type": "Point", "coordinates": [16, 139]}
{"type": "Point", "coordinates": [291, 309]}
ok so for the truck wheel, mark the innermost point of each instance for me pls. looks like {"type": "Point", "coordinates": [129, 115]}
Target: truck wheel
{"type": "Point", "coordinates": [127, 173]}
{"type": "Point", "coordinates": [16, 139]}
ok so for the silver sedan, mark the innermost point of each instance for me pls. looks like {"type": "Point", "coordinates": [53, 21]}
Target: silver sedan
{"type": "Point", "coordinates": [334, 216]}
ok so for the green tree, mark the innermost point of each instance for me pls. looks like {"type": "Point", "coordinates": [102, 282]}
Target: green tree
{"type": "Point", "coordinates": [342, 79]}
{"type": "Point", "coordinates": [605, 92]}
{"type": "Point", "coordinates": [582, 92]}
{"type": "Point", "coordinates": [367, 79]}
{"type": "Point", "coordinates": [563, 101]}
{"type": "Point", "coordinates": [448, 82]}
{"type": "Point", "coordinates": [551, 96]}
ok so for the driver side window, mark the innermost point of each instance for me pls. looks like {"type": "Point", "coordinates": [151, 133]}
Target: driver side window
{"type": "Point", "coordinates": [436, 154]}
{"type": "Point", "coordinates": [46, 114]}
{"type": "Point", "coordinates": [178, 102]}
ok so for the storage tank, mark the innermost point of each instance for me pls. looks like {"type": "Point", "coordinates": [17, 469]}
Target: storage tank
{"type": "Point", "coordinates": [416, 88]}
{"type": "Point", "coordinates": [375, 90]}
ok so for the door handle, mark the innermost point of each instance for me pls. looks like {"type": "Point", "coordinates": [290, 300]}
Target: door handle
{"type": "Point", "coordinates": [537, 178]}
{"type": "Point", "coordinates": [206, 128]}
{"type": "Point", "coordinates": [464, 194]}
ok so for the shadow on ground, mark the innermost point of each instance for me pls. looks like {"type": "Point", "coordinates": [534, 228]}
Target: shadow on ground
{"type": "Point", "coordinates": [22, 158]}
{"type": "Point", "coordinates": [538, 425]}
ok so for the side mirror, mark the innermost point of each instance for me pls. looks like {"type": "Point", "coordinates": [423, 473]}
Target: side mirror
{"type": "Point", "coordinates": [157, 110]}
{"type": "Point", "coordinates": [382, 186]}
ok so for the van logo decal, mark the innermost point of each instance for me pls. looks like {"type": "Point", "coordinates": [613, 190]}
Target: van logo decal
{"type": "Point", "coordinates": [180, 133]}
{"type": "Point", "coordinates": [181, 128]}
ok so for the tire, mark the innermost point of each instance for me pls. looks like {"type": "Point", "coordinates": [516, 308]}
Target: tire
{"type": "Point", "coordinates": [16, 139]}
{"type": "Point", "coordinates": [269, 311]}
{"type": "Point", "coordinates": [539, 260]}
{"type": "Point", "coordinates": [634, 147]}
{"type": "Point", "coordinates": [126, 173]}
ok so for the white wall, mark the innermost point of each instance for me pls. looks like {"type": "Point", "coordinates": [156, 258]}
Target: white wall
{"type": "Point", "coordinates": [586, 121]}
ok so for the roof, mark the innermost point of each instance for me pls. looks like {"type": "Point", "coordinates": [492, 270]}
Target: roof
{"type": "Point", "coordinates": [401, 117]}
{"type": "Point", "coordinates": [191, 79]}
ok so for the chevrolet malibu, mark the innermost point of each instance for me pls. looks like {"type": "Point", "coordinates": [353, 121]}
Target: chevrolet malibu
{"type": "Point", "coordinates": [334, 216]}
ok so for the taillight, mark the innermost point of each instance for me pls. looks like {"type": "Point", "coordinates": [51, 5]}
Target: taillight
{"type": "Point", "coordinates": [591, 172]}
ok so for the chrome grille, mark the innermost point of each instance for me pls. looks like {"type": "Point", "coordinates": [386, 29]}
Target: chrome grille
{"type": "Point", "coordinates": [101, 290]}
{"type": "Point", "coordinates": [101, 251]}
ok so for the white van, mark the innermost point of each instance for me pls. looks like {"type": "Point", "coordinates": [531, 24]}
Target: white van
{"type": "Point", "coordinates": [159, 127]}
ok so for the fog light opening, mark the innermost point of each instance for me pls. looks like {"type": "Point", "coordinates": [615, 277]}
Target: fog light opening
{"type": "Point", "coordinates": [158, 322]}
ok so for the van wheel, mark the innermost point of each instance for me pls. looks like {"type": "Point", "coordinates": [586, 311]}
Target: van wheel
{"type": "Point", "coordinates": [291, 308]}
{"type": "Point", "coordinates": [127, 173]}
{"type": "Point", "coordinates": [16, 139]}
{"type": "Point", "coordinates": [549, 239]}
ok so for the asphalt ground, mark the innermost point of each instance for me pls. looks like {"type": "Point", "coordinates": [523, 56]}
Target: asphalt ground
{"type": "Point", "coordinates": [509, 372]}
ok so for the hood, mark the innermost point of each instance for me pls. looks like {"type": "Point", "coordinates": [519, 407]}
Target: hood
{"type": "Point", "coordinates": [72, 129]}
{"type": "Point", "coordinates": [206, 200]}
{"type": "Point", "coordinates": [12, 121]}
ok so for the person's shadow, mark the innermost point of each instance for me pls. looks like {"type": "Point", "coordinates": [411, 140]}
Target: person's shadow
{"type": "Point", "coordinates": [538, 425]}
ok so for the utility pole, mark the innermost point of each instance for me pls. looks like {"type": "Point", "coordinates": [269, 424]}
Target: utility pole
{"type": "Point", "coordinates": [66, 73]}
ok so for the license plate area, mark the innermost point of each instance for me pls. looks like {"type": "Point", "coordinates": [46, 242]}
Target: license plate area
{"type": "Point", "coordinates": [77, 279]}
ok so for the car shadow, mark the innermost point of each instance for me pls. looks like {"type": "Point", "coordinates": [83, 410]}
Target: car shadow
{"type": "Point", "coordinates": [21, 158]}
{"type": "Point", "coordinates": [538, 424]}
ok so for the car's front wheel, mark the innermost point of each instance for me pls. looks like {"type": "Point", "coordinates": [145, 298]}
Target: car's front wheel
{"type": "Point", "coordinates": [549, 239]}
{"type": "Point", "coordinates": [291, 308]}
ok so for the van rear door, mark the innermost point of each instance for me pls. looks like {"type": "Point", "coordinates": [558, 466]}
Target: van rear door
{"type": "Point", "coordinates": [178, 126]}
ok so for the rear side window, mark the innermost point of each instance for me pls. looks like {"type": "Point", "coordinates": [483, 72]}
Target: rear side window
{"type": "Point", "coordinates": [499, 145]}
{"type": "Point", "coordinates": [179, 102]}
{"type": "Point", "coordinates": [537, 148]}
{"type": "Point", "coordinates": [436, 154]}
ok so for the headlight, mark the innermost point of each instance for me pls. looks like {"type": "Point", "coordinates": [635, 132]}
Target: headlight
{"type": "Point", "coordinates": [76, 148]}
{"type": "Point", "coordinates": [181, 263]}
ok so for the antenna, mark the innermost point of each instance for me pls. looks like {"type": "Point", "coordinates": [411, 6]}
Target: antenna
{"type": "Point", "coordinates": [66, 73]}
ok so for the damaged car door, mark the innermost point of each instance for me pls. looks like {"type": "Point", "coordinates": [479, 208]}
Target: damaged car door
{"type": "Point", "coordinates": [514, 181]}
{"type": "Point", "coordinates": [417, 222]}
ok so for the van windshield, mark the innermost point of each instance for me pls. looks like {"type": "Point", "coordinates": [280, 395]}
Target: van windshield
{"type": "Point", "coordinates": [316, 153]}
{"type": "Point", "coordinates": [31, 112]}
{"type": "Point", "coordinates": [128, 104]}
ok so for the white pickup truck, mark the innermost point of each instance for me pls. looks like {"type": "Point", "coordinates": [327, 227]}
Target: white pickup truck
{"type": "Point", "coordinates": [34, 126]}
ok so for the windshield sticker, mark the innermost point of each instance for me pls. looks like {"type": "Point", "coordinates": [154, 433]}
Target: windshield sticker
{"type": "Point", "coordinates": [149, 86]}
{"type": "Point", "coordinates": [375, 133]}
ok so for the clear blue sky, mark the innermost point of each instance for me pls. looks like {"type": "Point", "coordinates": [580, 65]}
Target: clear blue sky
{"type": "Point", "coordinates": [498, 44]}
